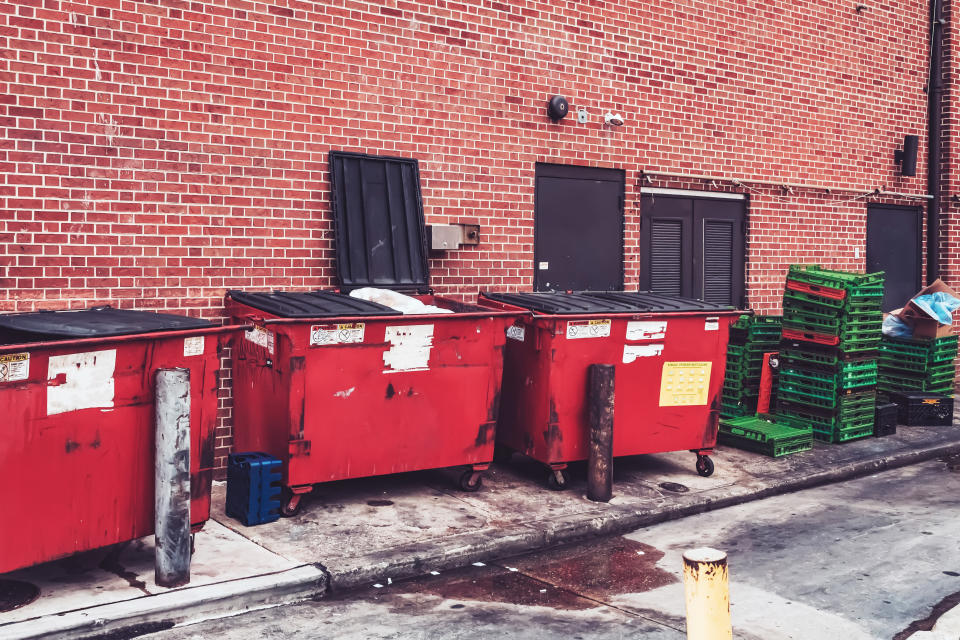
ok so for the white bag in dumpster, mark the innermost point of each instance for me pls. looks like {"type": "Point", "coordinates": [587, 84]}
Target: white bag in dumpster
{"type": "Point", "coordinates": [396, 301]}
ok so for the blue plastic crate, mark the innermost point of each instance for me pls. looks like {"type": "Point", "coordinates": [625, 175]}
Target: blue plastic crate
{"type": "Point", "coordinates": [253, 487]}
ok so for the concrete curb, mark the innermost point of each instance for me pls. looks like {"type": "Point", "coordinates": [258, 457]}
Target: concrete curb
{"type": "Point", "coordinates": [147, 614]}
{"type": "Point", "coordinates": [460, 550]}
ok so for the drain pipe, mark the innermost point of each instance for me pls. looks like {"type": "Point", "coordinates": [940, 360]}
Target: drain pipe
{"type": "Point", "coordinates": [934, 138]}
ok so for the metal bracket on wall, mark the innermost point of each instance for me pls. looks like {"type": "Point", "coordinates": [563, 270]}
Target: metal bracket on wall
{"type": "Point", "coordinates": [445, 237]}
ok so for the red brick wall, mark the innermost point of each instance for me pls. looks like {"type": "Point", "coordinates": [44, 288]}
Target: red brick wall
{"type": "Point", "coordinates": [156, 154]}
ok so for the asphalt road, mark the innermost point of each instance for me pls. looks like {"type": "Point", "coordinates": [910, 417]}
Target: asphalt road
{"type": "Point", "coordinates": [863, 559]}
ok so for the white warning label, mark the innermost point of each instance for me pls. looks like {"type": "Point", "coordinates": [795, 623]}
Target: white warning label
{"type": "Point", "coordinates": [193, 346]}
{"type": "Point", "coordinates": [14, 366]}
{"type": "Point", "coordinates": [588, 329]}
{"type": "Point", "coordinates": [633, 351]}
{"type": "Point", "coordinates": [646, 329]}
{"type": "Point", "coordinates": [516, 332]}
{"type": "Point", "coordinates": [259, 335]}
{"type": "Point", "coordinates": [347, 333]}
{"type": "Point", "coordinates": [712, 323]}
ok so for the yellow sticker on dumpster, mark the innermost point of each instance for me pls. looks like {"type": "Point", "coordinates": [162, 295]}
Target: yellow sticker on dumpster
{"type": "Point", "coordinates": [14, 366]}
{"type": "Point", "coordinates": [684, 384]}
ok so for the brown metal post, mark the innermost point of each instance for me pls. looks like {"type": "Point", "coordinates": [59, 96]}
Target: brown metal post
{"type": "Point", "coordinates": [601, 401]}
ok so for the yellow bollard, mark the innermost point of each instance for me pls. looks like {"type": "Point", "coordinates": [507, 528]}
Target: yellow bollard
{"type": "Point", "coordinates": [705, 582]}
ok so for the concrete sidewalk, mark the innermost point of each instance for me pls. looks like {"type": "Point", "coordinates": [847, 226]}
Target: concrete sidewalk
{"type": "Point", "coordinates": [365, 532]}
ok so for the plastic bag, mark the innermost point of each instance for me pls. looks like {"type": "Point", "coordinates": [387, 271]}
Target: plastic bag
{"type": "Point", "coordinates": [397, 301]}
{"type": "Point", "coordinates": [894, 327]}
{"type": "Point", "coordinates": [940, 306]}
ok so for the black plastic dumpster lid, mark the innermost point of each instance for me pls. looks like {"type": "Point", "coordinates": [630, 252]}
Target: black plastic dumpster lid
{"type": "Point", "coordinates": [91, 323]}
{"type": "Point", "coordinates": [311, 304]}
{"type": "Point", "coordinates": [658, 302]}
{"type": "Point", "coordinates": [562, 303]}
{"type": "Point", "coordinates": [379, 232]}
{"type": "Point", "coordinates": [603, 302]}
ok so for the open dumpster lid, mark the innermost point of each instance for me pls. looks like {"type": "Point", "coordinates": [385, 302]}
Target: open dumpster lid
{"type": "Point", "coordinates": [311, 304]}
{"type": "Point", "coordinates": [91, 323]}
{"type": "Point", "coordinates": [649, 301]}
{"type": "Point", "coordinates": [585, 302]}
{"type": "Point", "coordinates": [379, 232]}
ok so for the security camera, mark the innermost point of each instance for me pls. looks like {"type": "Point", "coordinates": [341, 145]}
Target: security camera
{"type": "Point", "coordinates": [613, 119]}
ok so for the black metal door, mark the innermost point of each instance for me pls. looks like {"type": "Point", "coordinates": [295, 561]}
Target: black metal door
{"type": "Point", "coordinates": [578, 228]}
{"type": "Point", "coordinates": [694, 247]}
{"type": "Point", "coordinates": [894, 247]}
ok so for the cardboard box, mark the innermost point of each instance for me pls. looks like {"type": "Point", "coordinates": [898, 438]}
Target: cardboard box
{"type": "Point", "coordinates": [925, 326]}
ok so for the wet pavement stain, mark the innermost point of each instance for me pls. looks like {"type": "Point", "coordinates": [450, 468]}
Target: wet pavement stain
{"type": "Point", "coordinates": [481, 584]}
{"type": "Point", "coordinates": [379, 503]}
{"type": "Point", "coordinates": [572, 578]}
{"type": "Point", "coordinates": [601, 570]}
{"type": "Point", "coordinates": [675, 487]}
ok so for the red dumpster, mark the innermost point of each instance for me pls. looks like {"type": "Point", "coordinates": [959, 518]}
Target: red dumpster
{"type": "Point", "coordinates": [77, 441]}
{"type": "Point", "coordinates": [669, 355]}
{"type": "Point", "coordinates": [338, 387]}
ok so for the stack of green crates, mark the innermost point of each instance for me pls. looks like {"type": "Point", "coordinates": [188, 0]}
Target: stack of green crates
{"type": "Point", "coordinates": [750, 338]}
{"type": "Point", "coordinates": [761, 435]}
{"type": "Point", "coordinates": [924, 365]}
{"type": "Point", "coordinates": [828, 357]}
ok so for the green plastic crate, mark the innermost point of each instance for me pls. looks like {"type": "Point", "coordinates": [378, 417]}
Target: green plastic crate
{"type": "Point", "coordinates": [829, 402]}
{"type": "Point", "coordinates": [911, 367]}
{"type": "Point", "coordinates": [826, 357]}
{"type": "Point", "coordinates": [763, 436]}
{"type": "Point", "coordinates": [837, 436]}
{"type": "Point", "coordinates": [863, 375]}
{"type": "Point", "coordinates": [815, 274]}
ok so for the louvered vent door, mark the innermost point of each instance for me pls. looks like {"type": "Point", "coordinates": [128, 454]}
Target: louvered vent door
{"type": "Point", "coordinates": [666, 256]}
{"type": "Point", "coordinates": [693, 247]}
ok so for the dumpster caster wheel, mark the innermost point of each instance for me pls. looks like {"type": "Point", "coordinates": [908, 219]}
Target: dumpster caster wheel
{"type": "Point", "coordinates": [558, 480]}
{"type": "Point", "coordinates": [704, 466]}
{"type": "Point", "coordinates": [291, 504]}
{"type": "Point", "coordinates": [471, 480]}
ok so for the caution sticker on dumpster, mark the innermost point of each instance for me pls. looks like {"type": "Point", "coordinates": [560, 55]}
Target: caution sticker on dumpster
{"type": "Point", "coordinates": [14, 366]}
{"type": "Point", "coordinates": [588, 329]}
{"type": "Point", "coordinates": [516, 332]}
{"type": "Point", "coordinates": [684, 384]}
{"type": "Point", "coordinates": [259, 335]}
{"type": "Point", "coordinates": [346, 333]}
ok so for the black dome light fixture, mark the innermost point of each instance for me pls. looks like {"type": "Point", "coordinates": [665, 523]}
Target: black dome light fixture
{"type": "Point", "coordinates": [557, 108]}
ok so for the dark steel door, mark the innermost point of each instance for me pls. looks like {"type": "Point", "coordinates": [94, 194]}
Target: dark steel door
{"type": "Point", "coordinates": [578, 228]}
{"type": "Point", "coordinates": [894, 247]}
{"type": "Point", "coordinates": [694, 247]}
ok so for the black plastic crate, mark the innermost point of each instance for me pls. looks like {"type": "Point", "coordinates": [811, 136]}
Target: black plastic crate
{"type": "Point", "coordinates": [885, 423]}
{"type": "Point", "coordinates": [929, 409]}
{"type": "Point", "coordinates": [253, 487]}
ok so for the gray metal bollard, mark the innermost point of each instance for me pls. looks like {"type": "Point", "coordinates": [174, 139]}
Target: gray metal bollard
{"type": "Point", "coordinates": [601, 402]}
{"type": "Point", "coordinates": [172, 478]}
